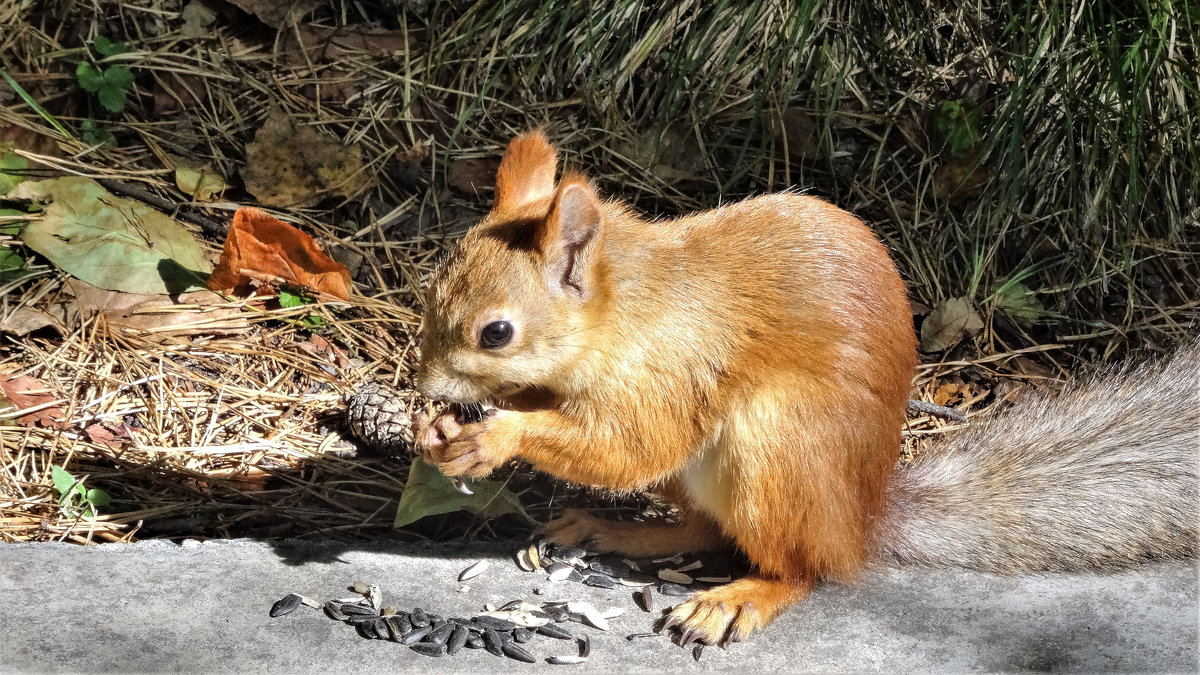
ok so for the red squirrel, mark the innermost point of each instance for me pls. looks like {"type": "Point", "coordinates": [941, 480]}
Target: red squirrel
{"type": "Point", "coordinates": [752, 364]}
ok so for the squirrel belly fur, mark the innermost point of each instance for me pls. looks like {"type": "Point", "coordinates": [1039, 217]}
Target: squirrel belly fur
{"type": "Point", "coordinates": [752, 364]}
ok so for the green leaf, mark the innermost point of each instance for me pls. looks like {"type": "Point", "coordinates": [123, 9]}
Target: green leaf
{"type": "Point", "coordinates": [10, 264]}
{"type": "Point", "coordinates": [96, 135]}
{"type": "Point", "coordinates": [32, 103]}
{"type": "Point", "coordinates": [64, 483]}
{"type": "Point", "coordinates": [12, 166]}
{"type": "Point", "coordinates": [90, 77]}
{"type": "Point", "coordinates": [119, 76]}
{"type": "Point", "coordinates": [8, 225]}
{"type": "Point", "coordinates": [116, 244]}
{"type": "Point", "coordinates": [429, 493]}
{"type": "Point", "coordinates": [97, 497]}
{"type": "Point", "coordinates": [108, 47]}
{"type": "Point", "coordinates": [288, 298]}
{"type": "Point", "coordinates": [112, 98]}
{"type": "Point", "coordinates": [1020, 303]}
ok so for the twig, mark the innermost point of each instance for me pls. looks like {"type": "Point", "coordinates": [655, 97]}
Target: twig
{"type": "Point", "coordinates": [208, 225]}
{"type": "Point", "coordinates": [927, 408]}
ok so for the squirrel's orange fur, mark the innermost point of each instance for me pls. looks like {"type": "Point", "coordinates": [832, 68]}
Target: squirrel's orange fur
{"type": "Point", "coordinates": [751, 362]}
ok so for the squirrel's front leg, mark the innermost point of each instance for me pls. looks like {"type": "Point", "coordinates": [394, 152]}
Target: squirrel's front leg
{"type": "Point", "coordinates": [473, 450]}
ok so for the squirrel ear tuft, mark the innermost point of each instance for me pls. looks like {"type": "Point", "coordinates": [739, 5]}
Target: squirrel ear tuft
{"type": "Point", "coordinates": [571, 237]}
{"type": "Point", "coordinates": [526, 172]}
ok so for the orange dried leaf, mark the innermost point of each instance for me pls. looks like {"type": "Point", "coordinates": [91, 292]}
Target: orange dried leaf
{"type": "Point", "coordinates": [260, 247]}
{"type": "Point", "coordinates": [26, 392]}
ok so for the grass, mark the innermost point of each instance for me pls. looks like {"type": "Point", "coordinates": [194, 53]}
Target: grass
{"type": "Point", "coordinates": [997, 147]}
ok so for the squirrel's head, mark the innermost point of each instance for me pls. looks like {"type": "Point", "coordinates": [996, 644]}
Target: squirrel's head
{"type": "Point", "coordinates": [508, 309]}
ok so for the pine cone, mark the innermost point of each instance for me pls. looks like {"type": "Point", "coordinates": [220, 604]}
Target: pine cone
{"type": "Point", "coordinates": [378, 416]}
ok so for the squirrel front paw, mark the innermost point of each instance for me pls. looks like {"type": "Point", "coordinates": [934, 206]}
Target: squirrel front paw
{"type": "Point", "coordinates": [472, 450]}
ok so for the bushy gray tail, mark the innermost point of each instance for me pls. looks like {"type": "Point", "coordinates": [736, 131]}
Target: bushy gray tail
{"type": "Point", "coordinates": [1101, 476]}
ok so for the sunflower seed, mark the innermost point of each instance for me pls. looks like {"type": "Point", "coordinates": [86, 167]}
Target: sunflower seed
{"type": "Point", "coordinates": [493, 622]}
{"type": "Point", "coordinates": [599, 581]}
{"type": "Point", "coordinates": [362, 587]}
{"type": "Point", "coordinates": [674, 576]}
{"type": "Point", "coordinates": [694, 565]}
{"type": "Point", "coordinates": [475, 641]}
{"type": "Point", "coordinates": [674, 560]}
{"type": "Point", "coordinates": [554, 631]}
{"type": "Point", "coordinates": [514, 651]}
{"type": "Point", "coordinates": [612, 612]}
{"type": "Point", "coordinates": [609, 569]}
{"type": "Point", "coordinates": [402, 624]}
{"type": "Point", "coordinates": [567, 553]}
{"type": "Point", "coordinates": [697, 651]}
{"type": "Point", "coordinates": [416, 635]}
{"type": "Point", "coordinates": [633, 565]}
{"type": "Point", "coordinates": [334, 611]}
{"type": "Point", "coordinates": [524, 562]}
{"type": "Point", "coordinates": [441, 634]}
{"type": "Point", "coordinates": [585, 646]}
{"type": "Point", "coordinates": [419, 618]}
{"type": "Point", "coordinates": [474, 570]}
{"type": "Point", "coordinates": [522, 635]}
{"type": "Point", "coordinates": [357, 610]}
{"type": "Point", "coordinates": [492, 642]}
{"type": "Point", "coordinates": [458, 638]}
{"type": "Point", "coordinates": [286, 605]}
{"type": "Point", "coordinates": [668, 588]}
{"type": "Point", "coordinates": [367, 630]}
{"type": "Point", "coordinates": [715, 580]}
{"type": "Point", "coordinates": [646, 599]}
{"type": "Point", "coordinates": [361, 618]}
{"type": "Point", "coordinates": [376, 597]}
{"type": "Point", "coordinates": [557, 612]}
{"type": "Point", "coordinates": [559, 571]}
{"type": "Point", "coordinates": [428, 649]}
{"type": "Point", "coordinates": [566, 660]}
{"type": "Point", "coordinates": [535, 556]}
{"type": "Point", "coordinates": [635, 582]}
{"type": "Point", "coordinates": [638, 636]}
{"type": "Point", "coordinates": [391, 629]}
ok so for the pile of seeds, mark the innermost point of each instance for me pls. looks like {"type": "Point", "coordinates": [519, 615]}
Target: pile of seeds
{"type": "Point", "coordinates": [504, 632]}
{"type": "Point", "coordinates": [672, 576]}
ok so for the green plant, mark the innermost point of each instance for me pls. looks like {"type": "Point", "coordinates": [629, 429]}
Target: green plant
{"type": "Point", "coordinates": [295, 297]}
{"type": "Point", "coordinates": [957, 123]}
{"type": "Point", "coordinates": [93, 134]}
{"type": "Point", "coordinates": [73, 497]}
{"type": "Point", "coordinates": [110, 84]}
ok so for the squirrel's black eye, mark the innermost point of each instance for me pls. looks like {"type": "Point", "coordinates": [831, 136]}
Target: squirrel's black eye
{"type": "Point", "coordinates": [495, 335]}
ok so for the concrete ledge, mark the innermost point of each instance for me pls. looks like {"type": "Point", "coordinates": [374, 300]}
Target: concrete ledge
{"type": "Point", "coordinates": [202, 607]}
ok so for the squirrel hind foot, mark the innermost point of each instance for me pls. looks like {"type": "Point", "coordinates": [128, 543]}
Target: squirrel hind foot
{"type": "Point", "coordinates": [730, 613]}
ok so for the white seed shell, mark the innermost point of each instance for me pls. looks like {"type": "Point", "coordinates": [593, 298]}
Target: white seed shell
{"type": "Point", "coordinates": [474, 570]}
{"type": "Point", "coordinates": [560, 573]}
{"type": "Point", "coordinates": [715, 580]}
{"type": "Point", "coordinates": [612, 613]}
{"type": "Point", "coordinates": [568, 660]}
{"type": "Point", "coordinates": [524, 562]}
{"type": "Point", "coordinates": [695, 565]}
{"type": "Point", "coordinates": [632, 583]}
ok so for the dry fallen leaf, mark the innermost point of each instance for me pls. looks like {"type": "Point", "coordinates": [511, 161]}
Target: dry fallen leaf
{"type": "Point", "coordinates": [278, 14]}
{"type": "Point", "coordinates": [23, 391]}
{"type": "Point", "coordinates": [196, 312]}
{"type": "Point", "coordinates": [473, 175]}
{"type": "Point", "coordinates": [289, 165]}
{"type": "Point", "coordinates": [260, 247]}
{"type": "Point", "coordinates": [115, 437]}
{"type": "Point", "coordinates": [949, 323]}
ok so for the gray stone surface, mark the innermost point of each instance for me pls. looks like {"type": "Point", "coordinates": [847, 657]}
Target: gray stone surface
{"type": "Point", "coordinates": [195, 607]}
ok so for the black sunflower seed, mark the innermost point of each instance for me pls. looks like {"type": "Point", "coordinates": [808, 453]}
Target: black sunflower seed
{"type": "Point", "coordinates": [458, 638]}
{"type": "Point", "coordinates": [429, 649]}
{"type": "Point", "coordinates": [286, 605]}
{"type": "Point", "coordinates": [492, 642]}
{"type": "Point", "coordinates": [361, 618]}
{"type": "Point", "coordinates": [522, 635]}
{"type": "Point", "coordinates": [441, 634]}
{"type": "Point", "coordinates": [514, 651]}
{"type": "Point", "coordinates": [367, 630]}
{"type": "Point", "coordinates": [416, 635]}
{"type": "Point", "coordinates": [494, 622]}
{"type": "Point", "coordinates": [557, 612]}
{"type": "Point", "coordinates": [334, 611]}
{"type": "Point", "coordinates": [568, 552]}
{"type": "Point", "coordinates": [475, 641]}
{"type": "Point", "coordinates": [419, 618]}
{"type": "Point", "coordinates": [391, 629]}
{"type": "Point", "coordinates": [403, 625]}
{"type": "Point", "coordinates": [638, 636]}
{"type": "Point", "coordinates": [357, 610]}
{"type": "Point", "coordinates": [575, 576]}
{"type": "Point", "coordinates": [599, 581]}
{"type": "Point", "coordinates": [669, 588]}
{"type": "Point", "coordinates": [697, 651]}
{"type": "Point", "coordinates": [613, 570]}
{"type": "Point", "coordinates": [551, 630]}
